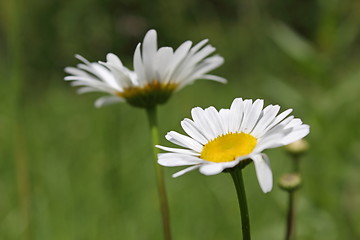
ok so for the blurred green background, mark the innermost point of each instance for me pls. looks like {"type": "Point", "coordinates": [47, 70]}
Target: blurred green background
{"type": "Point", "coordinates": [70, 171]}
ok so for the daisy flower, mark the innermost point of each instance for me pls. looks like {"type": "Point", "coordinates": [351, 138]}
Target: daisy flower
{"type": "Point", "coordinates": [220, 140]}
{"type": "Point", "coordinates": [157, 72]}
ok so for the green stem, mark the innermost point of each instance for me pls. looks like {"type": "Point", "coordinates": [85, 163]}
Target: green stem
{"type": "Point", "coordinates": [290, 223]}
{"type": "Point", "coordinates": [290, 226]}
{"type": "Point", "coordinates": [14, 14]}
{"type": "Point", "coordinates": [296, 163]}
{"type": "Point", "coordinates": [152, 117]}
{"type": "Point", "coordinates": [236, 175]}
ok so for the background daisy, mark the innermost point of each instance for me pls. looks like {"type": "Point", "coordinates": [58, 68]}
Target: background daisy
{"type": "Point", "coordinates": [158, 72]}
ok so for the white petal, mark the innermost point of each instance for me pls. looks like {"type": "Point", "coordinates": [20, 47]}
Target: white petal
{"type": "Point", "coordinates": [235, 162]}
{"type": "Point", "coordinates": [203, 53]}
{"type": "Point", "coordinates": [214, 121]}
{"type": "Point", "coordinates": [93, 75]}
{"type": "Point", "coordinates": [197, 70]}
{"type": "Point", "coordinates": [252, 116]}
{"type": "Point", "coordinates": [178, 150]}
{"type": "Point", "coordinates": [139, 66]}
{"type": "Point", "coordinates": [295, 122]}
{"type": "Point", "coordinates": [225, 118]}
{"type": "Point", "coordinates": [205, 66]}
{"type": "Point", "coordinates": [81, 78]}
{"type": "Point", "coordinates": [199, 117]}
{"type": "Point", "coordinates": [181, 52]}
{"type": "Point", "coordinates": [76, 72]}
{"type": "Point", "coordinates": [103, 101]}
{"type": "Point", "coordinates": [177, 159]}
{"type": "Point", "coordinates": [87, 90]}
{"type": "Point", "coordinates": [178, 57]}
{"type": "Point", "coordinates": [113, 59]}
{"type": "Point", "coordinates": [269, 115]}
{"type": "Point", "coordinates": [149, 50]}
{"type": "Point", "coordinates": [122, 75]}
{"type": "Point", "coordinates": [263, 172]}
{"type": "Point", "coordinates": [211, 168]}
{"type": "Point", "coordinates": [81, 58]}
{"type": "Point", "coordinates": [191, 129]}
{"type": "Point", "coordinates": [183, 141]}
{"type": "Point", "coordinates": [236, 115]}
{"type": "Point", "coordinates": [280, 127]}
{"type": "Point", "coordinates": [215, 78]}
{"type": "Point", "coordinates": [199, 45]}
{"type": "Point", "coordinates": [186, 170]}
{"type": "Point", "coordinates": [278, 119]}
{"type": "Point", "coordinates": [296, 134]}
{"type": "Point", "coordinates": [247, 105]}
{"type": "Point", "coordinates": [270, 141]}
{"type": "Point", "coordinates": [101, 86]}
{"type": "Point", "coordinates": [105, 75]}
{"type": "Point", "coordinates": [88, 68]}
{"type": "Point", "coordinates": [162, 61]}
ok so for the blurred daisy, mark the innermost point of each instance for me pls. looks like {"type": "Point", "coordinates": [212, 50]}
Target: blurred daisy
{"type": "Point", "coordinates": [157, 72]}
{"type": "Point", "coordinates": [223, 139]}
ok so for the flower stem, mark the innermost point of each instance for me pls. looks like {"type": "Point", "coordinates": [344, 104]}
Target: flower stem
{"type": "Point", "coordinates": [296, 163]}
{"type": "Point", "coordinates": [152, 117]}
{"type": "Point", "coordinates": [13, 12]}
{"type": "Point", "coordinates": [290, 226]}
{"type": "Point", "coordinates": [290, 222]}
{"type": "Point", "coordinates": [236, 175]}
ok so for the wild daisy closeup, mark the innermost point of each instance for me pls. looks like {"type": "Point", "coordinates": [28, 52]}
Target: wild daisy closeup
{"type": "Point", "coordinates": [220, 140]}
{"type": "Point", "coordinates": [157, 72]}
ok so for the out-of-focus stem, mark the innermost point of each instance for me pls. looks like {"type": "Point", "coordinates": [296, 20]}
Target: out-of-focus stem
{"type": "Point", "coordinates": [290, 226]}
{"type": "Point", "coordinates": [13, 14]}
{"type": "Point", "coordinates": [22, 177]}
{"type": "Point", "coordinates": [296, 163]}
{"type": "Point", "coordinates": [290, 223]}
{"type": "Point", "coordinates": [152, 117]}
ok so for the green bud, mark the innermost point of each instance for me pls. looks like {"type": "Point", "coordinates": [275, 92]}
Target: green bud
{"type": "Point", "coordinates": [290, 182]}
{"type": "Point", "coordinates": [297, 148]}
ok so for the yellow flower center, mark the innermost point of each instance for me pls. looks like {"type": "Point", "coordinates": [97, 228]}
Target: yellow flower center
{"type": "Point", "coordinates": [151, 94]}
{"type": "Point", "coordinates": [227, 148]}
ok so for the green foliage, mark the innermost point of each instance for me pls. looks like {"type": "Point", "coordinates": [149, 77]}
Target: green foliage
{"type": "Point", "coordinates": [70, 171]}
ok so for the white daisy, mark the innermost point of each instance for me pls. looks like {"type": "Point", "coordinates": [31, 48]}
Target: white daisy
{"type": "Point", "coordinates": [219, 140]}
{"type": "Point", "coordinates": [157, 72]}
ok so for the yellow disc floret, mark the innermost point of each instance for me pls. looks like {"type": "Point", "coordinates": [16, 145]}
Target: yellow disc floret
{"type": "Point", "coordinates": [149, 95]}
{"type": "Point", "coordinates": [228, 147]}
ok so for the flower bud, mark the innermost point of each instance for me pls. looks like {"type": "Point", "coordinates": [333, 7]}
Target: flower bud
{"type": "Point", "coordinates": [290, 182]}
{"type": "Point", "coordinates": [297, 148]}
